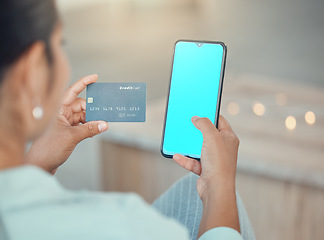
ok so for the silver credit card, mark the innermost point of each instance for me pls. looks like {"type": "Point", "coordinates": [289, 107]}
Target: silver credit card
{"type": "Point", "coordinates": [116, 102]}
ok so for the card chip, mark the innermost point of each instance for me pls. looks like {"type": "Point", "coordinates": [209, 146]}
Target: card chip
{"type": "Point", "coordinates": [90, 100]}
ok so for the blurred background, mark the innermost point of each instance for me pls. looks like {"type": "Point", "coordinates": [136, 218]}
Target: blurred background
{"type": "Point", "coordinates": [273, 97]}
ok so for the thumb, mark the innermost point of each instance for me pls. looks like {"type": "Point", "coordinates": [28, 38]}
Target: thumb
{"type": "Point", "coordinates": [207, 128]}
{"type": "Point", "coordinates": [90, 129]}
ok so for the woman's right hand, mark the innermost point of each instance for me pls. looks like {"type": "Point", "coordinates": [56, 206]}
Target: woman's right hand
{"type": "Point", "coordinates": [217, 170]}
{"type": "Point", "coordinates": [217, 166]}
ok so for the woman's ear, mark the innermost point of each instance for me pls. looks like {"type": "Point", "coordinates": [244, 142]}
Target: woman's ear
{"type": "Point", "coordinates": [36, 69]}
{"type": "Point", "coordinates": [36, 85]}
{"type": "Point", "coordinates": [27, 89]}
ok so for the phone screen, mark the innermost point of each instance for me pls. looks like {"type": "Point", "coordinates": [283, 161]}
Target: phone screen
{"type": "Point", "coordinates": [195, 90]}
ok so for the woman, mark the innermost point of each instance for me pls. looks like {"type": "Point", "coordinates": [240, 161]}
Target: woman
{"type": "Point", "coordinates": [33, 205]}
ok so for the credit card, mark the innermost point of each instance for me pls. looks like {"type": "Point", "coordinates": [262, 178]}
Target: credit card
{"type": "Point", "coordinates": [116, 102]}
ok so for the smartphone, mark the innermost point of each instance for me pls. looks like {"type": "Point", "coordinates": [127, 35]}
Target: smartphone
{"type": "Point", "coordinates": [195, 89]}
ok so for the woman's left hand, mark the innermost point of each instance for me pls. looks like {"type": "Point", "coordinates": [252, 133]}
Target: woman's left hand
{"type": "Point", "coordinates": [55, 146]}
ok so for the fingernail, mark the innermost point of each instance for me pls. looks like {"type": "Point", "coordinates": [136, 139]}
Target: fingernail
{"type": "Point", "coordinates": [90, 78]}
{"type": "Point", "coordinates": [103, 126]}
{"type": "Point", "coordinates": [195, 118]}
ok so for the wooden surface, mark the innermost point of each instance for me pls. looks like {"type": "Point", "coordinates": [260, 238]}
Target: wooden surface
{"type": "Point", "coordinates": [281, 209]}
{"type": "Point", "coordinates": [132, 169]}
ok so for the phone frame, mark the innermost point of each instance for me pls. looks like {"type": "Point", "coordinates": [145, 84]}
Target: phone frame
{"type": "Point", "coordinates": [219, 92]}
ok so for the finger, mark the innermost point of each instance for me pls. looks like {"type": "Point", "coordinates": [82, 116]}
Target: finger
{"type": "Point", "coordinates": [90, 129]}
{"type": "Point", "coordinates": [74, 91]}
{"type": "Point", "coordinates": [79, 105]}
{"type": "Point", "coordinates": [206, 127]}
{"type": "Point", "coordinates": [223, 124]}
{"type": "Point", "coordinates": [188, 163]}
{"type": "Point", "coordinates": [78, 118]}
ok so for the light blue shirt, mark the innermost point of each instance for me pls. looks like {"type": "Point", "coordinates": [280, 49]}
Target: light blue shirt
{"type": "Point", "coordinates": [33, 205]}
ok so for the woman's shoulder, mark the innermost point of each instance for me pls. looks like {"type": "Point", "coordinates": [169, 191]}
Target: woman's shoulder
{"type": "Point", "coordinates": [34, 194]}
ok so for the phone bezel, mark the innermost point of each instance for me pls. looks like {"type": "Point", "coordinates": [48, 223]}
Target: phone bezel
{"type": "Point", "coordinates": [219, 92]}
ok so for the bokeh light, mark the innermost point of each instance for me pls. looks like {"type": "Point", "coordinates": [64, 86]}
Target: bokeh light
{"type": "Point", "coordinates": [258, 109]}
{"type": "Point", "coordinates": [281, 99]}
{"type": "Point", "coordinates": [310, 118]}
{"type": "Point", "coordinates": [291, 122]}
{"type": "Point", "coordinates": [233, 108]}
